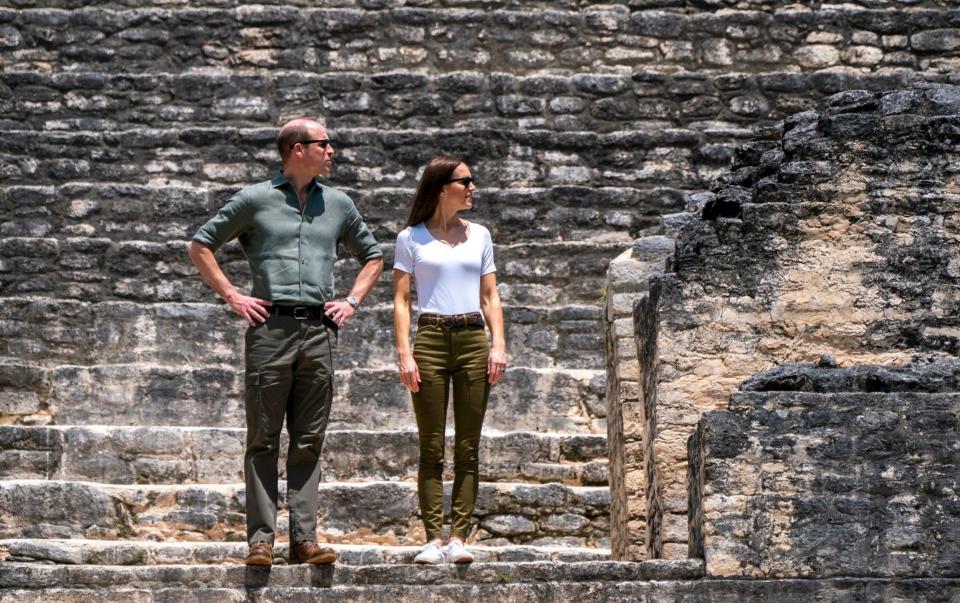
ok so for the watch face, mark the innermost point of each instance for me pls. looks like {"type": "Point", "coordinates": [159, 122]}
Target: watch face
{"type": "Point", "coordinates": [352, 301]}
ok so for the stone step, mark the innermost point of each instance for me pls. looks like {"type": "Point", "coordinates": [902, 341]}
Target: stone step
{"type": "Point", "coordinates": [532, 273]}
{"type": "Point", "coordinates": [558, 400]}
{"type": "Point", "coordinates": [430, 580]}
{"type": "Point", "coordinates": [126, 553]}
{"type": "Point", "coordinates": [186, 455]}
{"type": "Point", "coordinates": [63, 331]}
{"type": "Point", "coordinates": [356, 39]}
{"type": "Point", "coordinates": [647, 154]}
{"type": "Point", "coordinates": [356, 513]}
{"type": "Point", "coordinates": [104, 100]}
{"type": "Point", "coordinates": [654, 580]}
{"type": "Point", "coordinates": [161, 213]}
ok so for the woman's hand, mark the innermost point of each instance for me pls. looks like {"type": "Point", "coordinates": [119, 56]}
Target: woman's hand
{"type": "Point", "coordinates": [409, 373]}
{"type": "Point", "coordinates": [496, 364]}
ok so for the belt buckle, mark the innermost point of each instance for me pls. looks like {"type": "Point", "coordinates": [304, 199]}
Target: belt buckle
{"type": "Point", "coordinates": [301, 313]}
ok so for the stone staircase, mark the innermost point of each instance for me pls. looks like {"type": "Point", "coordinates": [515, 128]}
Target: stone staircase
{"type": "Point", "coordinates": [123, 126]}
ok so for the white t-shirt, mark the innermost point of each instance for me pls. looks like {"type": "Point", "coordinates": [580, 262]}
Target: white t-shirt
{"type": "Point", "coordinates": [447, 278]}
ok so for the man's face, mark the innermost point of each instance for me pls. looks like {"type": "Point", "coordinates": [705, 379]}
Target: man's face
{"type": "Point", "coordinates": [317, 155]}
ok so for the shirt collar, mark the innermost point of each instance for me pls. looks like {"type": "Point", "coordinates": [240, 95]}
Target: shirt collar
{"type": "Point", "coordinates": [279, 180]}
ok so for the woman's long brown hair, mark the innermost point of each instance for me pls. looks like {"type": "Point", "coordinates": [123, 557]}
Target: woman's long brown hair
{"type": "Point", "coordinates": [434, 177]}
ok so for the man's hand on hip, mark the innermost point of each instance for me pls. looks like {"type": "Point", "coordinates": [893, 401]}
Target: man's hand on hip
{"type": "Point", "coordinates": [252, 309]}
{"type": "Point", "coordinates": [339, 312]}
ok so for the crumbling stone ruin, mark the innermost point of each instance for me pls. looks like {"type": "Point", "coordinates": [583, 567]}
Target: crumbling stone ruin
{"type": "Point", "coordinates": [693, 203]}
{"type": "Point", "coordinates": [833, 234]}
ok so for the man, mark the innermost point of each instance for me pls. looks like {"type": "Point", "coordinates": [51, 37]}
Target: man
{"type": "Point", "coordinates": [289, 228]}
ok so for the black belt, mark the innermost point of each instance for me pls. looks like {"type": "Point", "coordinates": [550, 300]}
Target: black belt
{"type": "Point", "coordinates": [451, 321]}
{"type": "Point", "coordinates": [303, 313]}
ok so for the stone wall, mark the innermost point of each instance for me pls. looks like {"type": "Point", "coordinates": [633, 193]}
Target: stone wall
{"type": "Point", "coordinates": [488, 36]}
{"type": "Point", "coordinates": [836, 232]}
{"type": "Point", "coordinates": [818, 472]}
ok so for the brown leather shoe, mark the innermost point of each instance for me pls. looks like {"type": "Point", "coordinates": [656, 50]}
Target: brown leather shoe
{"type": "Point", "coordinates": [308, 552]}
{"type": "Point", "coordinates": [261, 553]}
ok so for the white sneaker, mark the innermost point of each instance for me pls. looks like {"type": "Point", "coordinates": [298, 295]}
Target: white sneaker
{"type": "Point", "coordinates": [431, 554]}
{"type": "Point", "coordinates": [455, 553]}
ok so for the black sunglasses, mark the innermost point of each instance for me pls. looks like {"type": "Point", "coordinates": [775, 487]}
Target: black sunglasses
{"type": "Point", "coordinates": [323, 143]}
{"type": "Point", "coordinates": [466, 181]}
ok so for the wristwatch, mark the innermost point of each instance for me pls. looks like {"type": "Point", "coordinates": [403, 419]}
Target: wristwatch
{"type": "Point", "coordinates": [353, 302]}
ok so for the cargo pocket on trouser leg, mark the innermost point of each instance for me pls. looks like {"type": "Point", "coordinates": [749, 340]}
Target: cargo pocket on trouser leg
{"type": "Point", "coordinates": [265, 401]}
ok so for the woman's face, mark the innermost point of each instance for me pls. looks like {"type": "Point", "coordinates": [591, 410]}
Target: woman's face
{"type": "Point", "coordinates": [457, 193]}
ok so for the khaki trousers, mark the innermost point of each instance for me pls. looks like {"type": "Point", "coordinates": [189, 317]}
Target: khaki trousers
{"type": "Point", "coordinates": [289, 373]}
{"type": "Point", "coordinates": [457, 356]}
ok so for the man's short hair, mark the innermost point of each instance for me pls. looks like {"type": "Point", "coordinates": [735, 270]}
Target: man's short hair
{"type": "Point", "coordinates": [292, 132]}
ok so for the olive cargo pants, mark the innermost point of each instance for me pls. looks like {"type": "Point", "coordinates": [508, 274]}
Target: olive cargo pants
{"type": "Point", "coordinates": [289, 372]}
{"type": "Point", "coordinates": [444, 355]}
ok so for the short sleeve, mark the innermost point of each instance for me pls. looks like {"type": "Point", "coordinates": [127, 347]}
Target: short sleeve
{"type": "Point", "coordinates": [228, 223]}
{"type": "Point", "coordinates": [403, 254]}
{"type": "Point", "coordinates": [486, 264]}
{"type": "Point", "coordinates": [357, 238]}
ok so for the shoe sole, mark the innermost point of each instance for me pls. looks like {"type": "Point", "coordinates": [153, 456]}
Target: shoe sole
{"type": "Point", "coordinates": [261, 562]}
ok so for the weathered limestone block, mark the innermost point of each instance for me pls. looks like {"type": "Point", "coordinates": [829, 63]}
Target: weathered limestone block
{"type": "Point", "coordinates": [157, 455]}
{"type": "Point", "coordinates": [560, 400]}
{"type": "Point", "coordinates": [379, 158]}
{"type": "Point", "coordinates": [366, 512]}
{"type": "Point", "coordinates": [834, 232]}
{"type": "Point", "coordinates": [107, 552]}
{"type": "Point", "coordinates": [656, 581]}
{"type": "Point", "coordinates": [468, 99]}
{"type": "Point", "coordinates": [850, 472]}
{"type": "Point", "coordinates": [626, 280]}
{"type": "Point", "coordinates": [389, 36]}
{"type": "Point", "coordinates": [68, 331]}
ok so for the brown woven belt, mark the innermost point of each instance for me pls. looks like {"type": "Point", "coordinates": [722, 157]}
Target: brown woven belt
{"type": "Point", "coordinates": [451, 321]}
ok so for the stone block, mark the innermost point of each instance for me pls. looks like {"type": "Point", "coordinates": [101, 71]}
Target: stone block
{"type": "Point", "coordinates": [837, 488]}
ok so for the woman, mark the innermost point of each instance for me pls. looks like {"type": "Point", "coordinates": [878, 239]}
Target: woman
{"type": "Point", "coordinates": [451, 261]}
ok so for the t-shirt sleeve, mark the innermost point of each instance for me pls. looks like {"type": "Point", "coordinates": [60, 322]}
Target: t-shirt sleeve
{"type": "Point", "coordinates": [403, 254]}
{"type": "Point", "coordinates": [228, 223]}
{"type": "Point", "coordinates": [486, 264]}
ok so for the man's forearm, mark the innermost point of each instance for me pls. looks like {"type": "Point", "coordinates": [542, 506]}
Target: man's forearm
{"type": "Point", "coordinates": [210, 270]}
{"type": "Point", "coordinates": [366, 279]}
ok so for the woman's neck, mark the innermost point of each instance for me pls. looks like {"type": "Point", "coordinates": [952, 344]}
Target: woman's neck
{"type": "Point", "coordinates": [443, 221]}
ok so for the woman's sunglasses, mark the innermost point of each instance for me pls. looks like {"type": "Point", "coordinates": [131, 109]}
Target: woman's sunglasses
{"type": "Point", "coordinates": [466, 181]}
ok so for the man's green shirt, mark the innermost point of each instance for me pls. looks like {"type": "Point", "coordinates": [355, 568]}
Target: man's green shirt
{"type": "Point", "coordinates": [291, 254]}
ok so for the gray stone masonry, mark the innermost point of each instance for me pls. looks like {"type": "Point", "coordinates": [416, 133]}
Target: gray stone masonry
{"type": "Point", "coordinates": [653, 157]}
{"type": "Point", "coordinates": [112, 552]}
{"type": "Point", "coordinates": [443, 39]}
{"type": "Point", "coordinates": [158, 455]}
{"type": "Point", "coordinates": [817, 472]}
{"type": "Point", "coordinates": [562, 400]}
{"type": "Point", "coordinates": [410, 98]}
{"type": "Point", "coordinates": [44, 331]}
{"type": "Point", "coordinates": [653, 581]}
{"type": "Point", "coordinates": [367, 512]}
